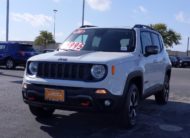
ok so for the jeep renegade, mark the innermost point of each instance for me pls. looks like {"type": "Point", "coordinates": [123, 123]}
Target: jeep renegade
{"type": "Point", "coordinates": [99, 69]}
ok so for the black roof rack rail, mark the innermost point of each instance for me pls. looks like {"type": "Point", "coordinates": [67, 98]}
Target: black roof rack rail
{"type": "Point", "coordinates": [143, 26]}
{"type": "Point", "coordinates": [86, 26]}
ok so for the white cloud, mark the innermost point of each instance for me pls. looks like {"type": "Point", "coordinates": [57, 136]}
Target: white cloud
{"type": "Point", "coordinates": [2, 34]}
{"type": "Point", "coordinates": [56, 1]}
{"type": "Point", "coordinates": [37, 20]}
{"type": "Point", "coordinates": [2, 0]}
{"type": "Point", "coordinates": [59, 34]}
{"type": "Point", "coordinates": [100, 5]}
{"type": "Point", "coordinates": [141, 9]}
{"type": "Point", "coordinates": [85, 23]}
{"type": "Point", "coordinates": [181, 17]}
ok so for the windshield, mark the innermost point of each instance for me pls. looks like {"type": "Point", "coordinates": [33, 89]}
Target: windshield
{"type": "Point", "coordinates": [107, 40]}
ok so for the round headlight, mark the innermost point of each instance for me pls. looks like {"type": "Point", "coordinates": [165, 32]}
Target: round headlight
{"type": "Point", "coordinates": [33, 68]}
{"type": "Point", "coordinates": [98, 71]}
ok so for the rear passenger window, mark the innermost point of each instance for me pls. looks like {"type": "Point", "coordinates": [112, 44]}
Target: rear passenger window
{"type": "Point", "coordinates": [96, 42]}
{"type": "Point", "coordinates": [145, 39]}
{"type": "Point", "coordinates": [156, 41]}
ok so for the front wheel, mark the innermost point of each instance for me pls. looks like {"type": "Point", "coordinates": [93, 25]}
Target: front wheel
{"type": "Point", "coordinates": [129, 113]}
{"type": "Point", "coordinates": [41, 112]}
{"type": "Point", "coordinates": [162, 97]}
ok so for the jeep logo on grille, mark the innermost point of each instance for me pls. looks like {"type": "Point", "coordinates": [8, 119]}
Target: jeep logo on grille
{"type": "Point", "coordinates": [62, 59]}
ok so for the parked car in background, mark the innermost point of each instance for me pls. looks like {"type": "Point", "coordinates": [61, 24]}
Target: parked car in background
{"type": "Point", "coordinates": [48, 50]}
{"type": "Point", "coordinates": [15, 54]}
{"type": "Point", "coordinates": [174, 60]}
{"type": "Point", "coordinates": [184, 61]}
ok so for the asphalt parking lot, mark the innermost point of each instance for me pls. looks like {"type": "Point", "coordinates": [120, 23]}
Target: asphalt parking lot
{"type": "Point", "coordinates": [172, 120]}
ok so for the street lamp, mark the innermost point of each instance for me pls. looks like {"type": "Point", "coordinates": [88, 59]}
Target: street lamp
{"type": "Point", "coordinates": [7, 22]}
{"type": "Point", "coordinates": [83, 11]}
{"type": "Point", "coordinates": [188, 46]}
{"type": "Point", "coordinates": [55, 11]}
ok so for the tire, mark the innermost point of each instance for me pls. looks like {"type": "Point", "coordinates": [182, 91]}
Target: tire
{"type": "Point", "coordinates": [41, 112]}
{"type": "Point", "coordinates": [128, 117]}
{"type": "Point", "coordinates": [162, 97]}
{"type": "Point", "coordinates": [10, 64]}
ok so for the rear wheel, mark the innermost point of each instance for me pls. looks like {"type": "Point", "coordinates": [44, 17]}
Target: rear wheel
{"type": "Point", "coordinates": [129, 114]}
{"type": "Point", "coordinates": [162, 97]}
{"type": "Point", "coordinates": [10, 64]}
{"type": "Point", "coordinates": [41, 112]}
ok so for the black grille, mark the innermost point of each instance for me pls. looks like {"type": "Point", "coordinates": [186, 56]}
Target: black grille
{"type": "Point", "coordinates": [65, 71]}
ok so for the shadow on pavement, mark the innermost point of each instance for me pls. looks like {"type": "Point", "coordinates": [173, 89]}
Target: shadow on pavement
{"type": "Point", "coordinates": [8, 75]}
{"type": "Point", "coordinates": [78, 125]}
{"type": "Point", "coordinates": [151, 117]}
{"type": "Point", "coordinates": [17, 82]}
{"type": "Point", "coordinates": [17, 68]}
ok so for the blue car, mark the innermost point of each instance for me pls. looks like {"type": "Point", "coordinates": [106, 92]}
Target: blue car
{"type": "Point", "coordinates": [15, 54]}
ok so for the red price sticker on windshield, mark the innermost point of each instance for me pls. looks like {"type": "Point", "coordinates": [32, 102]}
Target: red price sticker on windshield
{"type": "Point", "coordinates": [73, 46]}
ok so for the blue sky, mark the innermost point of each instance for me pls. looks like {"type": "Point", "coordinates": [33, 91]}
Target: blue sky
{"type": "Point", "coordinates": [28, 17]}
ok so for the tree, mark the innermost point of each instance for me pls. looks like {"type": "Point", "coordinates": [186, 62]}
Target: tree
{"type": "Point", "coordinates": [170, 37]}
{"type": "Point", "coordinates": [44, 38]}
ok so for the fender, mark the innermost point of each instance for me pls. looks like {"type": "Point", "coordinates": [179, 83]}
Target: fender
{"type": "Point", "coordinates": [168, 68]}
{"type": "Point", "coordinates": [131, 76]}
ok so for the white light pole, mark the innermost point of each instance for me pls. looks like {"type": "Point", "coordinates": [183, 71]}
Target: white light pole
{"type": "Point", "coordinates": [188, 46]}
{"type": "Point", "coordinates": [55, 11]}
{"type": "Point", "coordinates": [83, 12]}
{"type": "Point", "coordinates": [7, 22]}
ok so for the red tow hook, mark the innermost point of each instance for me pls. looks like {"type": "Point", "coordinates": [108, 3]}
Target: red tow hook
{"type": "Point", "coordinates": [85, 104]}
{"type": "Point", "coordinates": [31, 98]}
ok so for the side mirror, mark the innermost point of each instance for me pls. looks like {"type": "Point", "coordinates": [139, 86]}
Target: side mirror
{"type": "Point", "coordinates": [151, 50]}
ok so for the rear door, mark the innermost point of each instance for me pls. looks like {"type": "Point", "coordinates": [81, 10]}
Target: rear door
{"type": "Point", "coordinates": [159, 59]}
{"type": "Point", "coordinates": [150, 70]}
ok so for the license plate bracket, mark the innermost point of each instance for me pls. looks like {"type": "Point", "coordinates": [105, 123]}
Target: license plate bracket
{"type": "Point", "coordinates": [54, 95]}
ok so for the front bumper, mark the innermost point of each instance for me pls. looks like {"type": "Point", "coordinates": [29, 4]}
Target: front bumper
{"type": "Point", "coordinates": [77, 99]}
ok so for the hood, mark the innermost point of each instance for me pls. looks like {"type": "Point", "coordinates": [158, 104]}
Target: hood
{"type": "Point", "coordinates": [81, 56]}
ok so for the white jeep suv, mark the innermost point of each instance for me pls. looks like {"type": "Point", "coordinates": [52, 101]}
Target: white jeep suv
{"type": "Point", "coordinates": [99, 69]}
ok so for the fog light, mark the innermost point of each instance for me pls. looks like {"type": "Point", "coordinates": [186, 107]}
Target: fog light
{"type": "Point", "coordinates": [31, 98]}
{"type": "Point", "coordinates": [24, 94]}
{"type": "Point", "coordinates": [107, 102]}
{"type": "Point", "coordinates": [100, 91]}
{"type": "Point", "coordinates": [24, 85]}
